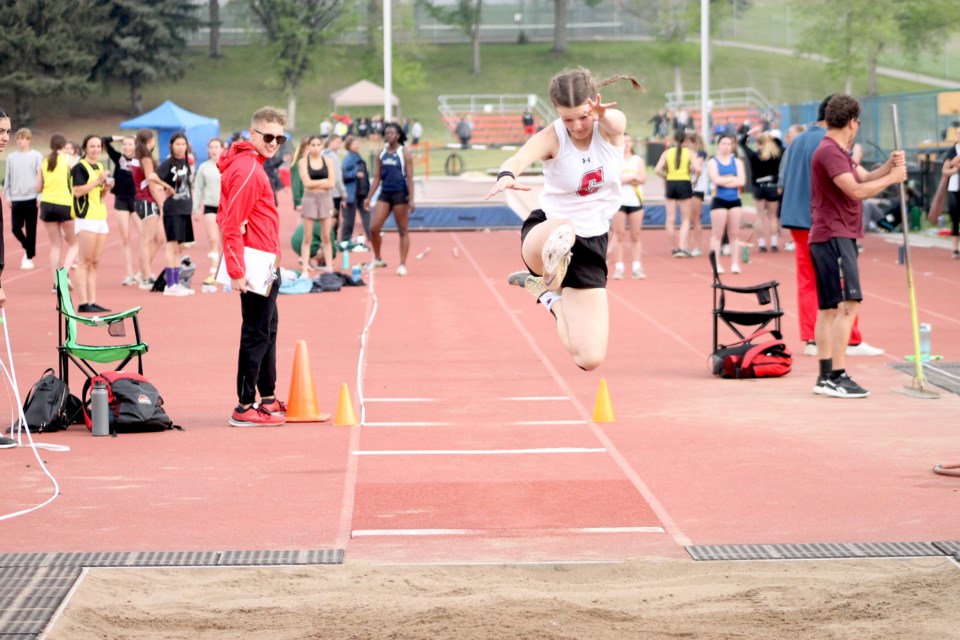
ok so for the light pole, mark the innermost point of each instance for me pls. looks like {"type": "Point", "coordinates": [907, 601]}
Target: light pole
{"type": "Point", "coordinates": [705, 70]}
{"type": "Point", "coordinates": [387, 60]}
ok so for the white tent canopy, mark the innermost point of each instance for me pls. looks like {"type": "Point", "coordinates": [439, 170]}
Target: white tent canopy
{"type": "Point", "coordinates": [362, 94]}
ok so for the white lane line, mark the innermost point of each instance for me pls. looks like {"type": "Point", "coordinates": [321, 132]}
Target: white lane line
{"type": "Point", "coordinates": [535, 398]}
{"type": "Point", "coordinates": [533, 423]}
{"type": "Point", "coordinates": [369, 533]}
{"type": "Point", "coordinates": [401, 399]}
{"type": "Point", "coordinates": [475, 452]}
{"type": "Point", "coordinates": [406, 424]}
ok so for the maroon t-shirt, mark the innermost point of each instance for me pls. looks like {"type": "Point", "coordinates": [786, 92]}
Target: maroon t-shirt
{"type": "Point", "coordinates": [834, 213]}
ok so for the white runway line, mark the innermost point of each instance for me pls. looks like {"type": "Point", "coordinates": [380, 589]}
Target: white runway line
{"type": "Point", "coordinates": [406, 424]}
{"type": "Point", "coordinates": [370, 533]}
{"type": "Point", "coordinates": [535, 423]}
{"type": "Point", "coordinates": [534, 398]}
{"type": "Point", "coordinates": [475, 452]}
{"type": "Point", "coordinates": [401, 399]}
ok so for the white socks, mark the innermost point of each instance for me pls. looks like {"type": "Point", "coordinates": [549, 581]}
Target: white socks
{"type": "Point", "coordinates": [548, 298]}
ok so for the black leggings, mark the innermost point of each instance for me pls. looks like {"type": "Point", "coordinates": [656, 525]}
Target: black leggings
{"type": "Point", "coordinates": [257, 362]}
{"type": "Point", "coordinates": [23, 220]}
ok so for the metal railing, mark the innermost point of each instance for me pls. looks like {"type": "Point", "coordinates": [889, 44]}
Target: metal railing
{"type": "Point", "coordinates": [451, 106]}
{"type": "Point", "coordinates": [720, 99]}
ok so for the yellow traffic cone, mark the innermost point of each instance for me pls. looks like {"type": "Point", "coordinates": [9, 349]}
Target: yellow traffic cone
{"type": "Point", "coordinates": [603, 409]}
{"type": "Point", "coordinates": [345, 416]}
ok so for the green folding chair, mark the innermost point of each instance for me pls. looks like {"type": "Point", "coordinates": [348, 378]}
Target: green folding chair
{"type": "Point", "coordinates": [84, 356]}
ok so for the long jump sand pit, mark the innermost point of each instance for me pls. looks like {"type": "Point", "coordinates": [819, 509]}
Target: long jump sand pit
{"type": "Point", "coordinates": [646, 598]}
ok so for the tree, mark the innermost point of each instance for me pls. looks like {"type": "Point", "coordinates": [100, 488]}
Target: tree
{"type": "Point", "coordinates": [464, 14]}
{"type": "Point", "coordinates": [38, 47]}
{"type": "Point", "coordinates": [147, 42]}
{"type": "Point", "coordinates": [214, 28]}
{"type": "Point", "coordinates": [294, 28]}
{"type": "Point", "coordinates": [560, 24]}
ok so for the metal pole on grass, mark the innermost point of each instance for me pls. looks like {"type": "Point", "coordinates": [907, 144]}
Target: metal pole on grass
{"type": "Point", "coordinates": [919, 387]}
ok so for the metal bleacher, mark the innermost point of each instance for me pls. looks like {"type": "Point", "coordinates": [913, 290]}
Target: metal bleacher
{"type": "Point", "coordinates": [497, 119]}
{"type": "Point", "coordinates": [738, 104]}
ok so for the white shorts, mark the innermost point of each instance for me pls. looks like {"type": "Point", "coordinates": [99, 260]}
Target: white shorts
{"type": "Point", "coordinates": [90, 226]}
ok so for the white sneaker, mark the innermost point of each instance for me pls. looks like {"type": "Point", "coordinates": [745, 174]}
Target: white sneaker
{"type": "Point", "coordinates": [638, 273]}
{"type": "Point", "coordinates": [696, 253]}
{"type": "Point", "coordinates": [130, 280]}
{"type": "Point", "coordinates": [719, 267]}
{"type": "Point", "coordinates": [376, 263]}
{"type": "Point", "coordinates": [735, 268]}
{"type": "Point", "coordinates": [789, 246]}
{"type": "Point", "coordinates": [618, 272]}
{"type": "Point", "coordinates": [556, 256]}
{"type": "Point", "coordinates": [810, 349]}
{"type": "Point", "coordinates": [26, 264]}
{"type": "Point", "coordinates": [177, 290]}
{"type": "Point", "coordinates": [725, 250]}
{"type": "Point", "coordinates": [402, 270]}
{"type": "Point", "coordinates": [864, 349]}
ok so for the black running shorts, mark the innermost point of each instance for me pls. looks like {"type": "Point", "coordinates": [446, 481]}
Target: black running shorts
{"type": "Point", "coordinates": [678, 190]}
{"type": "Point", "coordinates": [588, 261]}
{"type": "Point", "coordinates": [838, 276]}
{"type": "Point", "coordinates": [146, 209]}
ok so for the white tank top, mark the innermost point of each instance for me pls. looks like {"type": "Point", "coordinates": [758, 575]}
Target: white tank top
{"type": "Point", "coordinates": [583, 185]}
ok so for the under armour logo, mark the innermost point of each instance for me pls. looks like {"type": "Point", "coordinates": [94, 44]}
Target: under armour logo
{"type": "Point", "coordinates": [585, 160]}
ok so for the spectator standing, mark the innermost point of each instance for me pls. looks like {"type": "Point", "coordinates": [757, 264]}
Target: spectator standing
{"type": "Point", "coordinates": [331, 151]}
{"type": "Point", "coordinates": [951, 168]}
{"type": "Point", "coordinates": [147, 204]}
{"type": "Point", "coordinates": [90, 184]}
{"type": "Point", "coordinates": [528, 123]}
{"type": "Point", "coordinates": [416, 132]}
{"type": "Point", "coordinates": [464, 131]}
{"type": "Point", "coordinates": [363, 126]}
{"type": "Point", "coordinates": [795, 215]}
{"type": "Point", "coordinates": [700, 181]}
{"type": "Point", "coordinates": [765, 171]}
{"type": "Point", "coordinates": [248, 217]}
{"type": "Point", "coordinates": [393, 185]}
{"type": "Point", "coordinates": [56, 205]}
{"type": "Point", "coordinates": [317, 174]}
{"type": "Point", "coordinates": [5, 442]}
{"type": "Point", "coordinates": [837, 187]}
{"type": "Point", "coordinates": [356, 178]}
{"type": "Point", "coordinates": [124, 198]}
{"type": "Point", "coordinates": [633, 176]}
{"type": "Point", "coordinates": [728, 176]}
{"type": "Point", "coordinates": [296, 185]}
{"type": "Point", "coordinates": [206, 202]}
{"type": "Point", "coordinates": [674, 166]}
{"type": "Point", "coordinates": [20, 188]}
{"type": "Point", "coordinates": [174, 177]}
{"type": "Point", "coordinates": [326, 128]}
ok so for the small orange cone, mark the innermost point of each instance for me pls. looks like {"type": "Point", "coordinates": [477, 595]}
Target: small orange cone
{"type": "Point", "coordinates": [345, 416]}
{"type": "Point", "coordinates": [302, 404]}
{"type": "Point", "coordinates": [603, 409]}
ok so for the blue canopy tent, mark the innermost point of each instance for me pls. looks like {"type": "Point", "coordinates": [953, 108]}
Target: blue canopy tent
{"type": "Point", "coordinates": [168, 119]}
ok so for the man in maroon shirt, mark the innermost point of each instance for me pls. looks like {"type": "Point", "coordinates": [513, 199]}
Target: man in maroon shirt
{"type": "Point", "coordinates": [837, 187]}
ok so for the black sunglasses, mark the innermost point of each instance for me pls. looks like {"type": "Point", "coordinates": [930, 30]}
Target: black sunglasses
{"type": "Point", "coordinates": [269, 137]}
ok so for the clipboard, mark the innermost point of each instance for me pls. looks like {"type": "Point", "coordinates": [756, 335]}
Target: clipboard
{"type": "Point", "coordinates": [260, 271]}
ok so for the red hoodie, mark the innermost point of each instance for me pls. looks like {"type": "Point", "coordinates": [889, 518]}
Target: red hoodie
{"type": "Point", "coordinates": [247, 216]}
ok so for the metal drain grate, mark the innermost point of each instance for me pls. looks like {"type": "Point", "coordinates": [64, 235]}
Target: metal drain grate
{"type": "Point", "coordinates": [32, 585]}
{"type": "Point", "coordinates": [945, 375]}
{"type": "Point", "coordinates": [950, 548]}
{"type": "Point", "coordinates": [814, 551]}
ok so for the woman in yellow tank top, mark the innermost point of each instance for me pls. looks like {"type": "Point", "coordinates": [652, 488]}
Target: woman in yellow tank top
{"type": "Point", "coordinates": [674, 167]}
{"type": "Point", "coordinates": [90, 184]}
{"type": "Point", "coordinates": [56, 200]}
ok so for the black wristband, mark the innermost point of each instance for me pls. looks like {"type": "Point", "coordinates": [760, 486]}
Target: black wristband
{"type": "Point", "coordinates": [504, 174]}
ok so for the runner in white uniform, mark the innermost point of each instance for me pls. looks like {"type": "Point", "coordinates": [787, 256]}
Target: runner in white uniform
{"type": "Point", "coordinates": [564, 244]}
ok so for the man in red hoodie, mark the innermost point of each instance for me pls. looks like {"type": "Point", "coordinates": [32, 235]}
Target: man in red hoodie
{"type": "Point", "coordinates": [248, 217]}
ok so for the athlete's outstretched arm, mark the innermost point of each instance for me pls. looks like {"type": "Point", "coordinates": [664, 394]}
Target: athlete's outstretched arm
{"type": "Point", "coordinates": [543, 145]}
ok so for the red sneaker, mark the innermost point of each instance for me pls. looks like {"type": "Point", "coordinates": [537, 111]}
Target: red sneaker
{"type": "Point", "coordinates": [255, 416]}
{"type": "Point", "coordinates": [276, 407]}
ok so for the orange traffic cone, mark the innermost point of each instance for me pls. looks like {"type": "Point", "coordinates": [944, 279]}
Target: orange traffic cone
{"type": "Point", "coordinates": [345, 416]}
{"type": "Point", "coordinates": [302, 404]}
{"type": "Point", "coordinates": [603, 409]}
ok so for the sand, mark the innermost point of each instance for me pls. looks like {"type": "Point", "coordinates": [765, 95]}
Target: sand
{"type": "Point", "coordinates": [644, 598]}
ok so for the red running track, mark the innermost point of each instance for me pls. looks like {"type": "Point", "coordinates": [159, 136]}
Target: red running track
{"type": "Point", "coordinates": [477, 443]}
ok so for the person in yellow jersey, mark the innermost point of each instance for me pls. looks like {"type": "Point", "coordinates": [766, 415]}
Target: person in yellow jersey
{"type": "Point", "coordinates": [674, 167]}
{"type": "Point", "coordinates": [91, 182]}
{"type": "Point", "coordinates": [56, 203]}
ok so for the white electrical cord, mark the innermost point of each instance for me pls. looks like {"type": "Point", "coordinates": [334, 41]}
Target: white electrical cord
{"type": "Point", "coordinates": [22, 427]}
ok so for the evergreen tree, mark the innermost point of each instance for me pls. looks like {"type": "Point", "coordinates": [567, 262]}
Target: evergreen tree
{"type": "Point", "coordinates": [148, 42]}
{"type": "Point", "coordinates": [42, 49]}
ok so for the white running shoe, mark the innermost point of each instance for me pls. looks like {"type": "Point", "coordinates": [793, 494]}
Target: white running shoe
{"type": "Point", "coordinates": [376, 263]}
{"type": "Point", "coordinates": [638, 273]}
{"type": "Point", "coordinates": [130, 281]}
{"type": "Point", "coordinates": [810, 349]}
{"type": "Point", "coordinates": [696, 253]}
{"type": "Point", "coordinates": [556, 256]}
{"type": "Point", "coordinates": [789, 246]}
{"type": "Point", "coordinates": [177, 290]}
{"type": "Point", "coordinates": [735, 268]}
{"type": "Point", "coordinates": [864, 349]}
{"type": "Point", "coordinates": [720, 267]}
{"type": "Point", "coordinates": [26, 263]}
{"type": "Point", "coordinates": [618, 271]}
{"type": "Point", "coordinates": [402, 270]}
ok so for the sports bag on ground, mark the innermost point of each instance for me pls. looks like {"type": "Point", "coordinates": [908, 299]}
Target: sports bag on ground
{"type": "Point", "coordinates": [135, 404]}
{"type": "Point", "coordinates": [49, 405]}
{"type": "Point", "coordinates": [753, 357]}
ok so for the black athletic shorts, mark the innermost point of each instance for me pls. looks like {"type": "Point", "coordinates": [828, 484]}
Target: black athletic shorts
{"type": "Point", "coordinates": [699, 194]}
{"type": "Point", "coordinates": [838, 276]}
{"type": "Point", "coordinates": [588, 262]}
{"type": "Point", "coordinates": [721, 203]}
{"type": "Point", "coordinates": [766, 192]}
{"type": "Point", "coordinates": [678, 190]}
{"type": "Point", "coordinates": [146, 209]}
{"type": "Point", "coordinates": [210, 209]}
{"type": "Point", "coordinates": [54, 212]}
{"type": "Point", "coordinates": [178, 228]}
{"type": "Point", "coordinates": [953, 206]}
{"type": "Point", "coordinates": [394, 198]}
{"type": "Point", "coordinates": [124, 203]}
{"type": "Point", "coordinates": [628, 209]}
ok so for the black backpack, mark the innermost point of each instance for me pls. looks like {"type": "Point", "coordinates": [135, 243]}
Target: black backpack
{"type": "Point", "coordinates": [49, 405]}
{"type": "Point", "coordinates": [135, 404]}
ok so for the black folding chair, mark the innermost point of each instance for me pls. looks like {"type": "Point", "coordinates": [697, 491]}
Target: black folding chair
{"type": "Point", "coordinates": [757, 306]}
